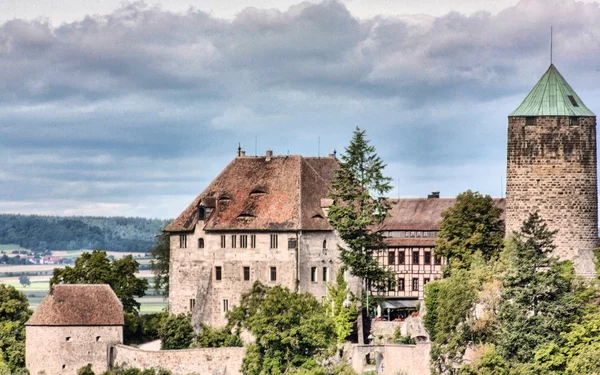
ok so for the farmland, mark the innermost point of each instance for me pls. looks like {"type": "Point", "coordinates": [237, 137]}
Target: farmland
{"type": "Point", "coordinates": [40, 274]}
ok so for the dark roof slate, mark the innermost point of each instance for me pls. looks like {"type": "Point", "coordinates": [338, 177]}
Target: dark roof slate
{"type": "Point", "coordinates": [251, 193]}
{"type": "Point", "coordinates": [422, 213]}
{"type": "Point", "coordinates": [79, 305]}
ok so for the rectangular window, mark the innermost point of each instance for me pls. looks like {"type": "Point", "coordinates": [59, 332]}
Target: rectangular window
{"type": "Point", "coordinates": [391, 258]}
{"type": "Point", "coordinates": [218, 274]}
{"type": "Point", "coordinates": [401, 285]}
{"type": "Point", "coordinates": [415, 284]}
{"type": "Point", "coordinates": [246, 273]}
{"type": "Point", "coordinates": [425, 281]}
{"type": "Point", "coordinates": [325, 274]}
{"type": "Point", "coordinates": [274, 241]}
{"type": "Point", "coordinates": [273, 273]}
{"type": "Point", "coordinates": [573, 120]}
{"type": "Point", "coordinates": [192, 303]}
{"type": "Point", "coordinates": [225, 305]}
{"type": "Point", "coordinates": [428, 257]}
{"type": "Point", "coordinates": [183, 241]}
{"type": "Point", "coordinates": [313, 274]}
{"type": "Point", "coordinates": [415, 256]}
{"type": "Point", "coordinates": [292, 243]}
{"type": "Point", "coordinates": [401, 257]}
{"type": "Point", "coordinates": [530, 120]}
{"type": "Point", "coordinates": [223, 241]}
{"type": "Point", "coordinates": [253, 241]}
{"type": "Point", "coordinates": [437, 259]}
{"type": "Point", "coordinates": [243, 241]}
{"type": "Point", "coordinates": [233, 241]}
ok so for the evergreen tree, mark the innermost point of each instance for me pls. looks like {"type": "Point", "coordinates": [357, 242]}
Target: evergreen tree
{"type": "Point", "coordinates": [161, 253]}
{"type": "Point", "coordinates": [539, 298]}
{"type": "Point", "coordinates": [358, 192]}
{"type": "Point", "coordinates": [473, 224]}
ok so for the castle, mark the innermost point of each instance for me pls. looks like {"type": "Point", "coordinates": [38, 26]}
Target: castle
{"type": "Point", "coordinates": [264, 218]}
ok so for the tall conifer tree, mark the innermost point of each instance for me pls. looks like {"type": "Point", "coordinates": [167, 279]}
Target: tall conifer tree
{"type": "Point", "coordinates": [358, 192]}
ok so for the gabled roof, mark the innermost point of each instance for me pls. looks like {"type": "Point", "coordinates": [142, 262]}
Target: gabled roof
{"type": "Point", "coordinates": [422, 213]}
{"type": "Point", "coordinates": [552, 96]}
{"type": "Point", "coordinates": [253, 193]}
{"type": "Point", "coordinates": [79, 305]}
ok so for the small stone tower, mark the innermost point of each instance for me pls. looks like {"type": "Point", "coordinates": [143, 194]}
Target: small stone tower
{"type": "Point", "coordinates": [551, 168]}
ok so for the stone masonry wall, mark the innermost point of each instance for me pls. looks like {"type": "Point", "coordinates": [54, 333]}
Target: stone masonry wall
{"type": "Point", "coordinates": [205, 361]}
{"type": "Point", "coordinates": [64, 349]}
{"type": "Point", "coordinates": [192, 267]}
{"type": "Point", "coordinates": [551, 168]}
{"type": "Point", "coordinates": [392, 359]}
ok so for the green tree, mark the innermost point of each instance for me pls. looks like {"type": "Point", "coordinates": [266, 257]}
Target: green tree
{"type": "Point", "coordinates": [292, 330]}
{"type": "Point", "coordinates": [86, 370]}
{"type": "Point", "coordinates": [24, 280]}
{"type": "Point", "coordinates": [161, 252]}
{"type": "Point", "coordinates": [210, 337]}
{"type": "Point", "coordinates": [176, 332]}
{"type": "Point", "coordinates": [540, 296]}
{"type": "Point", "coordinates": [472, 225]}
{"type": "Point", "coordinates": [359, 204]}
{"type": "Point", "coordinates": [341, 305]}
{"type": "Point", "coordinates": [14, 313]}
{"type": "Point", "coordinates": [96, 268]}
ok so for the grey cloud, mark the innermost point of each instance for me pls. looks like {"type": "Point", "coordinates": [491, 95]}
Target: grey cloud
{"type": "Point", "coordinates": [142, 103]}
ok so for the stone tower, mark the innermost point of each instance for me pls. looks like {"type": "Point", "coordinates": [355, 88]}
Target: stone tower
{"type": "Point", "coordinates": [551, 168]}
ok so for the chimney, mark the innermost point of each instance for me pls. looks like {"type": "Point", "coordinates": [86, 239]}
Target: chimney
{"type": "Point", "coordinates": [269, 155]}
{"type": "Point", "coordinates": [243, 153]}
{"type": "Point", "coordinates": [434, 195]}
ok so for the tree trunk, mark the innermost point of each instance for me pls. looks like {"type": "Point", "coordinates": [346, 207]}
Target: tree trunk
{"type": "Point", "coordinates": [360, 325]}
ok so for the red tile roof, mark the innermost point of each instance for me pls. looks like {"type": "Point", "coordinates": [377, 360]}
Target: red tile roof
{"type": "Point", "coordinates": [422, 213]}
{"type": "Point", "coordinates": [252, 193]}
{"type": "Point", "coordinates": [79, 305]}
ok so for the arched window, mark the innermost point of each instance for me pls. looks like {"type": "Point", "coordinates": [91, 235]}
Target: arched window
{"type": "Point", "coordinates": [324, 244]}
{"type": "Point", "coordinates": [200, 243]}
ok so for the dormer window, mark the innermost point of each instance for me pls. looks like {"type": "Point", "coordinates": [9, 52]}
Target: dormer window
{"type": "Point", "coordinates": [257, 192]}
{"type": "Point", "coordinates": [201, 213]}
{"type": "Point", "coordinates": [573, 101]}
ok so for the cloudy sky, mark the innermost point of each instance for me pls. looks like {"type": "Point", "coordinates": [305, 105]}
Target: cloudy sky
{"type": "Point", "coordinates": [120, 108]}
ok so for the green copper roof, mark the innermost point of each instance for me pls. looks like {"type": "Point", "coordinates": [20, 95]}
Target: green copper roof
{"type": "Point", "coordinates": [552, 96]}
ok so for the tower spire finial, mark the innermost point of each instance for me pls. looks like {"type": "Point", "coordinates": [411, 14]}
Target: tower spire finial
{"type": "Point", "coordinates": [551, 34]}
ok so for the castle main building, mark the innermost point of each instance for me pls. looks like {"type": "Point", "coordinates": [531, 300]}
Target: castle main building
{"type": "Point", "coordinates": [551, 168]}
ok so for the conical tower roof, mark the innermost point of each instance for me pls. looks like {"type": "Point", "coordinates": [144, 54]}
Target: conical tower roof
{"type": "Point", "coordinates": [552, 96]}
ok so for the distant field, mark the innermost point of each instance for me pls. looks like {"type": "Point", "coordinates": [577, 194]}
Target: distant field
{"type": "Point", "coordinates": [10, 247]}
{"type": "Point", "coordinates": [40, 286]}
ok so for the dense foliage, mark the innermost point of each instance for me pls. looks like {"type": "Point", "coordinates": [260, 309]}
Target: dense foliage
{"type": "Point", "coordinates": [160, 253]}
{"type": "Point", "coordinates": [472, 225]}
{"type": "Point", "coordinates": [97, 268]}
{"type": "Point", "coordinates": [41, 233]}
{"type": "Point", "coordinates": [210, 337]}
{"type": "Point", "coordinates": [176, 332]}
{"type": "Point", "coordinates": [292, 330]}
{"type": "Point", "coordinates": [14, 313]}
{"type": "Point", "coordinates": [523, 312]}
{"type": "Point", "coordinates": [539, 298]}
{"type": "Point", "coordinates": [141, 328]}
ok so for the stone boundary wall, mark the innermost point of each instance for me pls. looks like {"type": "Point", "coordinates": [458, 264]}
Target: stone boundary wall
{"type": "Point", "coordinates": [384, 330]}
{"type": "Point", "coordinates": [392, 359]}
{"type": "Point", "coordinates": [205, 361]}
